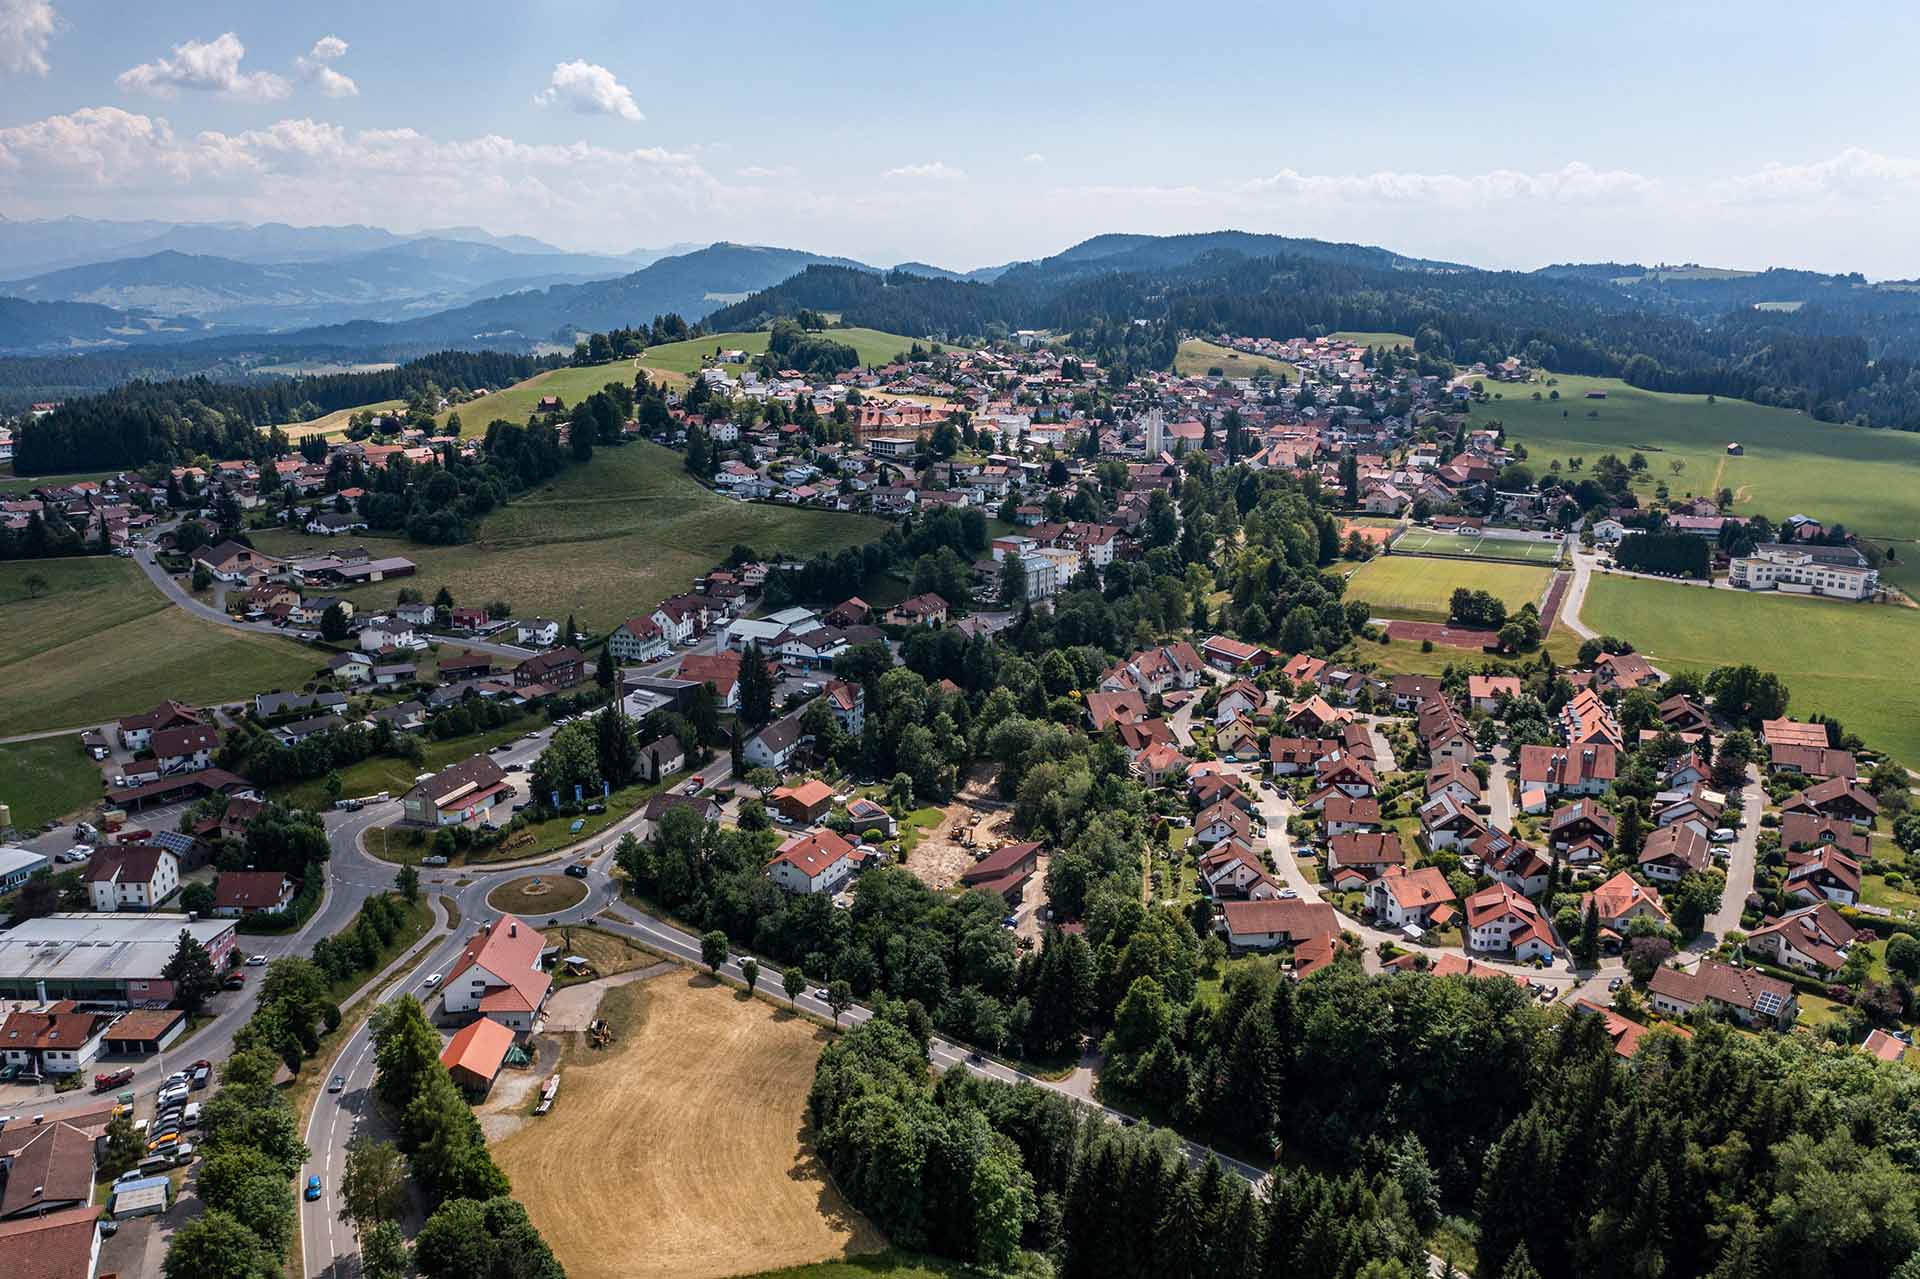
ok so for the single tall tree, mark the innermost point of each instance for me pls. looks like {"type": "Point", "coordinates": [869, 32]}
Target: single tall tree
{"type": "Point", "coordinates": [191, 972]}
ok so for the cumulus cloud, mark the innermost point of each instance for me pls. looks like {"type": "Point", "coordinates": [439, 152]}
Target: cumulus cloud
{"type": "Point", "coordinates": [590, 90]}
{"type": "Point", "coordinates": [315, 69]}
{"type": "Point", "coordinates": [933, 171]}
{"type": "Point", "coordinates": [206, 67]}
{"type": "Point", "coordinates": [25, 28]}
{"type": "Point", "coordinates": [1033, 157]}
{"type": "Point", "coordinates": [1854, 174]}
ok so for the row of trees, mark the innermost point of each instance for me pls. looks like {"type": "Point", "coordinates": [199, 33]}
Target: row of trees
{"type": "Point", "coordinates": [477, 1227]}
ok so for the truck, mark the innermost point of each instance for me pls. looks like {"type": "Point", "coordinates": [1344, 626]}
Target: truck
{"type": "Point", "coordinates": [109, 1080]}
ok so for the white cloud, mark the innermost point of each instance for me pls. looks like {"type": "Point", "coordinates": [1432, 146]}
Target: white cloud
{"type": "Point", "coordinates": [25, 28]}
{"type": "Point", "coordinates": [1853, 174]}
{"type": "Point", "coordinates": [207, 67]}
{"type": "Point", "coordinates": [590, 90]}
{"type": "Point", "coordinates": [1033, 157]}
{"type": "Point", "coordinates": [314, 69]}
{"type": "Point", "coordinates": [934, 171]}
{"type": "Point", "coordinates": [1836, 214]}
{"type": "Point", "coordinates": [755, 172]}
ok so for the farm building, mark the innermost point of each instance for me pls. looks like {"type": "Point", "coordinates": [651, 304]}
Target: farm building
{"type": "Point", "coordinates": [474, 1056]}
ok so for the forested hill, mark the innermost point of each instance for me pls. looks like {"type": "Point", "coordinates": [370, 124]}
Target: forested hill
{"type": "Point", "coordinates": [145, 422]}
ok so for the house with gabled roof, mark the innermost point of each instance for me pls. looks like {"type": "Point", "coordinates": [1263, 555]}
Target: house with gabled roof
{"type": "Point", "coordinates": [1420, 897]}
{"type": "Point", "coordinates": [1561, 770]}
{"type": "Point", "coordinates": [1751, 998]}
{"type": "Point", "coordinates": [1583, 830]}
{"type": "Point", "coordinates": [1834, 798]}
{"type": "Point", "coordinates": [1813, 939]}
{"type": "Point", "coordinates": [1342, 814]}
{"type": "Point", "coordinates": [1672, 852]}
{"type": "Point", "coordinates": [1823, 874]}
{"type": "Point", "coordinates": [1623, 671]}
{"type": "Point", "coordinates": [131, 877]}
{"type": "Point", "coordinates": [1627, 1035]}
{"type": "Point", "coordinates": [1502, 920]}
{"type": "Point", "coordinates": [1276, 922]}
{"type": "Point", "coordinates": [1362, 857]}
{"type": "Point", "coordinates": [818, 862]}
{"type": "Point", "coordinates": [1621, 900]}
{"type": "Point", "coordinates": [499, 976]}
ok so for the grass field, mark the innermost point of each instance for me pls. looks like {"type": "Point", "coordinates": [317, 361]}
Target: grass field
{"type": "Point", "coordinates": [382, 773]}
{"type": "Point", "coordinates": [1866, 479]}
{"type": "Point", "coordinates": [1846, 660]}
{"type": "Point", "coordinates": [680, 1153]}
{"type": "Point", "coordinates": [335, 423]}
{"type": "Point", "coordinates": [48, 779]}
{"type": "Point", "coordinates": [604, 540]}
{"type": "Point", "coordinates": [538, 896]}
{"type": "Point", "coordinates": [101, 642]}
{"type": "Point", "coordinates": [1373, 339]}
{"type": "Point", "coordinates": [1403, 657]}
{"type": "Point", "coordinates": [1422, 541]}
{"type": "Point", "coordinates": [1418, 587]}
{"type": "Point", "coordinates": [871, 345]}
{"type": "Point", "coordinates": [515, 403]}
{"type": "Point", "coordinates": [1196, 358]}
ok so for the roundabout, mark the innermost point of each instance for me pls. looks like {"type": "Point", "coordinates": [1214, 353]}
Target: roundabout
{"type": "Point", "coordinates": [535, 897]}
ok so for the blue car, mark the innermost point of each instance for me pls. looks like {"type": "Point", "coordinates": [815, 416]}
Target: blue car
{"type": "Point", "coordinates": [313, 1187]}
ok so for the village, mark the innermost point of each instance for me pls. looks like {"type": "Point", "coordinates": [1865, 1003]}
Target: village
{"type": "Point", "coordinates": [1654, 849]}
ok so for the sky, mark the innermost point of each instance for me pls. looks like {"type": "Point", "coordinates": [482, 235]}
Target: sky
{"type": "Point", "coordinates": [1747, 135]}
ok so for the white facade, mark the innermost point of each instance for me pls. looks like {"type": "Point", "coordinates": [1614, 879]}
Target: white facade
{"type": "Point", "coordinates": [121, 893]}
{"type": "Point", "coordinates": [1798, 572]}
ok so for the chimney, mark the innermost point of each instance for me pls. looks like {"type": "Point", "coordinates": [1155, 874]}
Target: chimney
{"type": "Point", "coordinates": [513, 930]}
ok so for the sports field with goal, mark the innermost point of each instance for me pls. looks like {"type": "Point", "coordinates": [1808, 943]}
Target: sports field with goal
{"type": "Point", "coordinates": [1426, 541]}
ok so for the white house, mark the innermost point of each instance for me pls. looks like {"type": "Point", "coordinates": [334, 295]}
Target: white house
{"type": "Point", "coordinates": [815, 863]}
{"type": "Point", "coordinates": [638, 639]}
{"type": "Point", "coordinates": [186, 749]}
{"type": "Point", "coordinates": [498, 976]}
{"type": "Point", "coordinates": [132, 877]}
{"type": "Point", "coordinates": [541, 632]}
{"type": "Point", "coordinates": [386, 634]}
{"type": "Point", "coordinates": [775, 745]}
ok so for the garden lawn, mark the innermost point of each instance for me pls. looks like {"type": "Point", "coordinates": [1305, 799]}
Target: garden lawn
{"type": "Point", "coordinates": [603, 541]}
{"type": "Point", "coordinates": [384, 773]}
{"type": "Point", "coordinates": [48, 779]}
{"type": "Point", "coordinates": [1198, 358]}
{"type": "Point", "coordinates": [1850, 661]}
{"type": "Point", "coordinates": [1867, 479]}
{"type": "Point", "coordinates": [100, 642]}
{"type": "Point", "coordinates": [1419, 588]}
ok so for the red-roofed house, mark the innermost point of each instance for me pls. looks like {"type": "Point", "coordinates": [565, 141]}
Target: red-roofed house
{"type": "Point", "coordinates": [498, 976]}
{"type": "Point", "coordinates": [1414, 897]}
{"type": "Point", "coordinates": [55, 1040]}
{"type": "Point", "coordinates": [815, 863]}
{"type": "Point", "coordinates": [1626, 1033]}
{"type": "Point", "coordinates": [242, 892]}
{"type": "Point", "coordinates": [1264, 925]}
{"type": "Point", "coordinates": [1499, 919]}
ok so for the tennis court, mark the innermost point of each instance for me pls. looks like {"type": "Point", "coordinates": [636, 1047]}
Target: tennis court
{"type": "Point", "coordinates": [1424, 541]}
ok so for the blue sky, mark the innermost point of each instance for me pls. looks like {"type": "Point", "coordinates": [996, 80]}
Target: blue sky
{"type": "Point", "coordinates": [1741, 135]}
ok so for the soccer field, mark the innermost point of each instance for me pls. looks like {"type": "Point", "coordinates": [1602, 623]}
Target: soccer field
{"type": "Point", "coordinates": [1421, 541]}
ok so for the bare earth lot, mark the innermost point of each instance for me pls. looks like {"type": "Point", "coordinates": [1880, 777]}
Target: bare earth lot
{"type": "Point", "coordinates": [679, 1154]}
{"type": "Point", "coordinates": [939, 859]}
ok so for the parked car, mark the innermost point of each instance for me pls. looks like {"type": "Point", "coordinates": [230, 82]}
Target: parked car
{"type": "Point", "coordinates": [108, 1082]}
{"type": "Point", "coordinates": [202, 1072]}
{"type": "Point", "coordinates": [235, 981]}
{"type": "Point", "coordinates": [256, 961]}
{"type": "Point", "coordinates": [1724, 835]}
